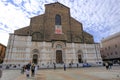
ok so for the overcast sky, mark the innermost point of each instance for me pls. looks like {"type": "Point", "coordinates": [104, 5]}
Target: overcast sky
{"type": "Point", "coordinates": [100, 18]}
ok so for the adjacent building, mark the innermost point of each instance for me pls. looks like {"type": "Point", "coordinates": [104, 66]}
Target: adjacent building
{"type": "Point", "coordinates": [52, 37]}
{"type": "Point", "coordinates": [111, 48]}
{"type": "Point", "coordinates": [2, 52]}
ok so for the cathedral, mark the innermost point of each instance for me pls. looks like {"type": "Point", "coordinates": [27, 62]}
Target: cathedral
{"type": "Point", "coordinates": [52, 37]}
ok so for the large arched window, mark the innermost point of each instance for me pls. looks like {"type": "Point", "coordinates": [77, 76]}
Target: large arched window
{"type": "Point", "coordinates": [57, 19]}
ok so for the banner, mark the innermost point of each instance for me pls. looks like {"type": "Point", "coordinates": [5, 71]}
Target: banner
{"type": "Point", "coordinates": [58, 29]}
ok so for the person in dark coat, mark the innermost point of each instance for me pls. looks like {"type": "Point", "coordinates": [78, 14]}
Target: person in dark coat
{"type": "Point", "coordinates": [28, 66]}
{"type": "Point", "coordinates": [64, 67]}
{"type": "Point", "coordinates": [32, 70]}
{"type": "Point", "coordinates": [77, 65]}
{"type": "Point", "coordinates": [54, 66]}
{"type": "Point", "coordinates": [110, 65]}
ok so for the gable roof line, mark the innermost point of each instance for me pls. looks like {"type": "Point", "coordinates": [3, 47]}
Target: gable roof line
{"type": "Point", "coordinates": [57, 3]}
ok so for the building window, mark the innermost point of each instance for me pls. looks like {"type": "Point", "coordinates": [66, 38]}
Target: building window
{"type": "Point", "coordinates": [115, 45]}
{"type": "Point", "coordinates": [57, 19]}
{"type": "Point", "coordinates": [111, 53]}
{"type": "Point", "coordinates": [27, 32]}
{"type": "Point", "coordinates": [58, 27]}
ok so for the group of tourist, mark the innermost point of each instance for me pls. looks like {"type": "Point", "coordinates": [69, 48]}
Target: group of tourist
{"type": "Point", "coordinates": [29, 68]}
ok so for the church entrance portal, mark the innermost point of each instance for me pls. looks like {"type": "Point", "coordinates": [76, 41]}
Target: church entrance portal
{"type": "Point", "coordinates": [35, 59]}
{"type": "Point", "coordinates": [79, 59]}
{"type": "Point", "coordinates": [59, 56]}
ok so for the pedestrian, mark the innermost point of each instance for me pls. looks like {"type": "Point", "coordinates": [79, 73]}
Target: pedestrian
{"type": "Point", "coordinates": [110, 65]}
{"type": "Point", "coordinates": [106, 65]}
{"type": "Point", "coordinates": [69, 65]}
{"type": "Point", "coordinates": [28, 69]}
{"type": "Point", "coordinates": [23, 69]}
{"type": "Point", "coordinates": [36, 68]}
{"type": "Point", "coordinates": [54, 66]}
{"type": "Point", "coordinates": [77, 65]}
{"type": "Point", "coordinates": [33, 70]}
{"type": "Point", "coordinates": [0, 71]}
{"type": "Point", "coordinates": [27, 73]}
{"type": "Point", "coordinates": [64, 67]}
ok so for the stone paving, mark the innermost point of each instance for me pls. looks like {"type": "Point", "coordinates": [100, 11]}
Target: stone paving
{"type": "Point", "coordinates": [92, 73]}
{"type": "Point", "coordinates": [10, 74]}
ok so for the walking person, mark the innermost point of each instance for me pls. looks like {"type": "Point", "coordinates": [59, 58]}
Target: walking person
{"type": "Point", "coordinates": [107, 65]}
{"type": "Point", "coordinates": [69, 65]}
{"type": "Point", "coordinates": [54, 66]}
{"type": "Point", "coordinates": [27, 69]}
{"type": "Point", "coordinates": [77, 65]}
{"type": "Point", "coordinates": [23, 69]}
{"type": "Point", "coordinates": [64, 67]}
{"type": "Point", "coordinates": [36, 68]}
{"type": "Point", "coordinates": [32, 70]}
{"type": "Point", "coordinates": [110, 65]}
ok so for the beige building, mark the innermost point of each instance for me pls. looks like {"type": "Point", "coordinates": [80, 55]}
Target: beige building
{"type": "Point", "coordinates": [52, 37]}
{"type": "Point", "coordinates": [111, 48]}
{"type": "Point", "coordinates": [2, 52]}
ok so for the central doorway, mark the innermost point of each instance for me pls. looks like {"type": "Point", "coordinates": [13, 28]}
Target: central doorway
{"type": "Point", "coordinates": [59, 56]}
{"type": "Point", "coordinates": [35, 59]}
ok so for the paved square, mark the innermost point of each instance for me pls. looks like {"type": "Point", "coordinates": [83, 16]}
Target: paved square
{"type": "Point", "coordinates": [92, 73]}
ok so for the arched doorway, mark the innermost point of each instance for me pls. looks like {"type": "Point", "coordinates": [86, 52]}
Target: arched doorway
{"type": "Point", "coordinates": [79, 58]}
{"type": "Point", "coordinates": [59, 56]}
{"type": "Point", "coordinates": [35, 59]}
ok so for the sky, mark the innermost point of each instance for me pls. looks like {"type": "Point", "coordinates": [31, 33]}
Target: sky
{"type": "Point", "coordinates": [101, 18]}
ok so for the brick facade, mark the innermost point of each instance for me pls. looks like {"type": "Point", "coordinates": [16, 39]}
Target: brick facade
{"type": "Point", "coordinates": [42, 27]}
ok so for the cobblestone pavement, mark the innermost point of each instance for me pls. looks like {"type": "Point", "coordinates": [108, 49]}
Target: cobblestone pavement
{"type": "Point", "coordinates": [92, 73]}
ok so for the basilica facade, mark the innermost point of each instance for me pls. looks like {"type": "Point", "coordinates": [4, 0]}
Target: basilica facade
{"type": "Point", "coordinates": [52, 37]}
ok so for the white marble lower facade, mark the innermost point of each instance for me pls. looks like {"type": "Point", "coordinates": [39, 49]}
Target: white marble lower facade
{"type": "Point", "coordinates": [21, 50]}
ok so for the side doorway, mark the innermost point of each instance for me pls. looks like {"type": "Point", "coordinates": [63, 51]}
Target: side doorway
{"type": "Point", "coordinates": [79, 58]}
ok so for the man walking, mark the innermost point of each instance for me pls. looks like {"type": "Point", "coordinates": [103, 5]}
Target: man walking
{"type": "Point", "coordinates": [64, 67]}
